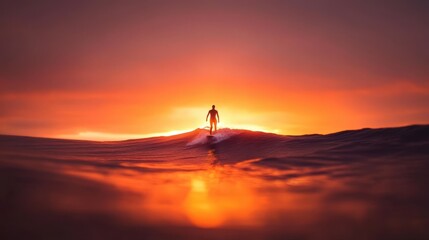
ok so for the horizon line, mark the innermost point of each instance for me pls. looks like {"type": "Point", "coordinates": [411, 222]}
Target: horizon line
{"type": "Point", "coordinates": [179, 132]}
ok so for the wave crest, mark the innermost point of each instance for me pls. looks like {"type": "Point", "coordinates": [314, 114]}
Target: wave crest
{"type": "Point", "coordinates": [219, 136]}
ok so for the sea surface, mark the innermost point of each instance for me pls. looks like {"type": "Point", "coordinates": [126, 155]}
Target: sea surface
{"type": "Point", "coordinates": [358, 184]}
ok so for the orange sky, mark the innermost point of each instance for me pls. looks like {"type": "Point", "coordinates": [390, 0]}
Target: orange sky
{"type": "Point", "coordinates": [99, 70]}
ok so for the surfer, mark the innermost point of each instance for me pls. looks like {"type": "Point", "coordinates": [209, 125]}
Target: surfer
{"type": "Point", "coordinates": [213, 113]}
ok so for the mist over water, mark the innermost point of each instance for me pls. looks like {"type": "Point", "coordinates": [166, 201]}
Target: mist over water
{"type": "Point", "coordinates": [363, 184]}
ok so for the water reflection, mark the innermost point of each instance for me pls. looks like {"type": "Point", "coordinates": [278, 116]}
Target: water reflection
{"type": "Point", "coordinates": [221, 195]}
{"type": "Point", "coordinates": [212, 158]}
{"type": "Point", "coordinates": [215, 199]}
{"type": "Point", "coordinates": [246, 195]}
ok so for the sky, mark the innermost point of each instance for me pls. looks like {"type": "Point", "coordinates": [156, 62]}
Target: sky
{"type": "Point", "coordinates": [107, 70]}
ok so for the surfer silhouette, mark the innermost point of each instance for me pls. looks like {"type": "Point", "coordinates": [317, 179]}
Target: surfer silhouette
{"type": "Point", "coordinates": [213, 113]}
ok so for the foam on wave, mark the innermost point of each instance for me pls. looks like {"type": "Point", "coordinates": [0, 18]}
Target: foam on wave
{"type": "Point", "coordinates": [219, 136]}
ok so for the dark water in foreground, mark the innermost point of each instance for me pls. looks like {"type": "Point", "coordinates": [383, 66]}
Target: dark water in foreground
{"type": "Point", "coordinates": [364, 184]}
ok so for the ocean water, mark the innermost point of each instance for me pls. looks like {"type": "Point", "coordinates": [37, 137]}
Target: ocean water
{"type": "Point", "coordinates": [361, 184]}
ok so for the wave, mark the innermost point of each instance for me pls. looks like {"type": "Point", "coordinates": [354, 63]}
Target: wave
{"type": "Point", "coordinates": [219, 136]}
{"type": "Point", "coordinates": [231, 145]}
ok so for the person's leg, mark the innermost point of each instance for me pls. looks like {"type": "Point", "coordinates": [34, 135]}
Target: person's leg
{"type": "Point", "coordinates": [211, 127]}
{"type": "Point", "coordinates": [215, 123]}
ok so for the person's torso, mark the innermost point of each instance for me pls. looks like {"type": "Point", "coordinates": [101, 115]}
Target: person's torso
{"type": "Point", "coordinates": [213, 113]}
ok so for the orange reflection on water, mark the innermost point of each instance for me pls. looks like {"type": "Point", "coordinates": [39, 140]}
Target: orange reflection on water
{"type": "Point", "coordinates": [210, 204]}
{"type": "Point", "coordinates": [203, 199]}
{"type": "Point", "coordinates": [211, 198]}
{"type": "Point", "coordinates": [215, 199]}
{"type": "Point", "coordinates": [200, 208]}
{"type": "Point", "coordinates": [220, 196]}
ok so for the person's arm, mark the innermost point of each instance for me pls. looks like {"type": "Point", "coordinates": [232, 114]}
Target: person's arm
{"type": "Point", "coordinates": [207, 116]}
{"type": "Point", "coordinates": [218, 120]}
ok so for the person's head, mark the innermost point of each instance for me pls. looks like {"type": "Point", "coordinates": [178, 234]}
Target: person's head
{"type": "Point", "coordinates": [213, 106]}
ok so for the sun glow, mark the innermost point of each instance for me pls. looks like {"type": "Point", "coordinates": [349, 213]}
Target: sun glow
{"type": "Point", "coordinates": [188, 118]}
{"type": "Point", "coordinates": [99, 136]}
{"type": "Point", "coordinates": [201, 209]}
